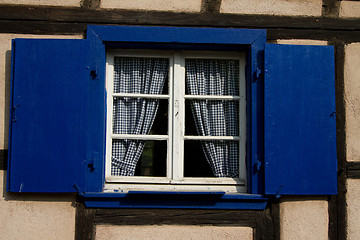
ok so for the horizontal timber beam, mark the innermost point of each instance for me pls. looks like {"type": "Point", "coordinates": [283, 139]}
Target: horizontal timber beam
{"type": "Point", "coordinates": [353, 170]}
{"type": "Point", "coordinates": [70, 20]}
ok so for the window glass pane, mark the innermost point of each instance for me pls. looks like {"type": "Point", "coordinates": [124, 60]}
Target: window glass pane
{"type": "Point", "coordinates": [140, 75]}
{"type": "Point", "coordinates": [138, 158]}
{"type": "Point", "coordinates": [212, 76]}
{"type": "Point", "coordinates": [211, 158]}
{"type": "Point", "coordinates": [140, 116]}
{"type": "Point", "coordinates": [212, 117]}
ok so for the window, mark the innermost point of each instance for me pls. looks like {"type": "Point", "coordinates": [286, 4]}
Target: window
{"type": "Point", "coordinates": [177, 118]}
{"type": "Point", "coordinates": [58, 127]}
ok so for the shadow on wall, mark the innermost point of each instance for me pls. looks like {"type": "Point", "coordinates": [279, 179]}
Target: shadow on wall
{"type": "Point", "coordinates": [7, 97]}
{"type": "Point", "coordinates": [37, 197]}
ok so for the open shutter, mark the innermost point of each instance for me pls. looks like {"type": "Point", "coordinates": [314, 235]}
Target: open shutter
{"type": "Point", "coordinates": [49, 106]}
{"type": "Point", "coordinates": [300, 134]}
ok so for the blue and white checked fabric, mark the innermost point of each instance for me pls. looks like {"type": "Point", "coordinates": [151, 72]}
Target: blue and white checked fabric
{"type": "Point", "coordinates": [134, 115]}
{"type": "Point", "coordinates": [216, 117]}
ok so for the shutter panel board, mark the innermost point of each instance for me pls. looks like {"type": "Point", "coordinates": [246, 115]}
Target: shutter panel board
{"type": "Point", "coordinates": [49, 102]}
{"type": "Point", "coordinates": [300, 130]}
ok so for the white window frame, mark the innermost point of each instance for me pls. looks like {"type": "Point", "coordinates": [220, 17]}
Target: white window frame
{"type": "Point", "coordinates": [174, 179]}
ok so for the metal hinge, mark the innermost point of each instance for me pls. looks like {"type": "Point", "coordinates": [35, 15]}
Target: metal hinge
{"type": "Point", "coordinates": [257, 166]}
{"type": "Point", "coordinates": [258, 74]}
{"type": "Point", "coordinates": [13, 113]}
{"type": "Point", "coordinates": [91, 160]}
{"type": "Point", "coordinates": [78, 189]}
{"type": "Point", "coordinates": [93, 72]}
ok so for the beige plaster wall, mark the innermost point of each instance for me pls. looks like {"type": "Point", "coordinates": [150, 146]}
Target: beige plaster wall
{"type": "Point", "coordinates": [353, 209]}
{"type": "Point", "coordinates": [349, 9]}
{"type": "Point", "coordinates": [165, 232]}
{"type": "Point", "coordinates": [160, 5]}
{"type": "Point", "coordinates": [301, 42]}
{"type": "Point", "coordinates": [29, 216]}
{"type": "Point", "coordinates": [302, 219]}
{"type": "Point", "coordinates": [5, 67]}
{"type": "Point", "coordinates": [273, 7]}
{"type": "Point", "coordinates": [72, 3]}
{"type": "Point", "coordinates": [35, 216]}
{"type": "Point", "coordinates": [352, 101]}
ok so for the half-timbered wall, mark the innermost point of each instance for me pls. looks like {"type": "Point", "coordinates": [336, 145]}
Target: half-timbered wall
{"type": "Point", "coordinates": [315, 22]}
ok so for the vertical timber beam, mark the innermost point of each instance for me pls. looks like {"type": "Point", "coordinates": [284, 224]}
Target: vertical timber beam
{"type": "Point", "coordinates": [210, 6]}
{"type": "Point", "coordinates": [3, 159]}
{"type": "Point", "coordinates": [84, 222]}
{"type": "Point", "coordinates": [90, 3]}
{"type": "Point", "coordinates": [330, 8]}
{"type": "Point", "coordinates": [337, 203]}
{"type": "Point", "coordinates": [268, 223]}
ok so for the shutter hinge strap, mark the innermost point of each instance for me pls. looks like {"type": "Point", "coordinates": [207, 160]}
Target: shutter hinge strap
{"type": "Point", "coordinates": [93, 72]}
{"type": "Point", "coordinates": [13, 113]}
{"type": "Point", "coordinates": [258, 74]}
{"type": "Point", "coordinates": [78, 190]}
{"type": "Point", "coordinates": [91, 160]}
{"type": "Point", "coordinates": [257, 166]}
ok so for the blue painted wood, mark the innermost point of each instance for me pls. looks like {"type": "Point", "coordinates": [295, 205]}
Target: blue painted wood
{"type": "Point", "coordinates": [176, 200]}
{"type": "Point", "coordinates": [176, 34]}
{"type": "Point", "coordinates": [95, 178]}
{"type": "Point", "coordinates": [255, 113]}
{"type": "Point", "coordinates": [47, 143]}
{"type": "Point", "coordinates": [300, 131]}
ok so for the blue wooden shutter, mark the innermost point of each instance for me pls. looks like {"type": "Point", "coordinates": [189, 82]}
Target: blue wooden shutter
{"type": "Point", "coordinates": [49, 112]}
{"type": "Point", "coordinates": [300, 134]}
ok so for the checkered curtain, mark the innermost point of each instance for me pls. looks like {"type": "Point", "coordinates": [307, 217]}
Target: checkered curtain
{"type": "Point", "coordinates": [134, 115]}
{"type": "Point", "coordinates": [216, 117]}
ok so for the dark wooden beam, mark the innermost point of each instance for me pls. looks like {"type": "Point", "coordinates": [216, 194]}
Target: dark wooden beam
{"type": "Point", "coordinates": [273, 33]}
{"type": "Point", "coordinates": [328, 35]}
{"type": "Point", "coordinates": [3, 159]}
{"type": "Point", "coordinates": [210, 6]}
{"type": "Point", "coordinates": [105, 16]}
{"type": "Point", "coordinates": [337, 203]}
{"type": "Point", "coordinates": [330, 8]}
{"type": "Point", "coordinates": [353, 170]}
{"type": "Point", "coordinates": [176, 217]}
{"type": "Point", "coordinates": [84, 222]}
{"type": "Point", "coordinates": [42, 27]}
{"type": "Point", "coordinates": [90, 3]}
{"type": "Point", "coordinates": [268, 223]}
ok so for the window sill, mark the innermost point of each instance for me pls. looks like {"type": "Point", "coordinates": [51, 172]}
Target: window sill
{"type": "Point", "coordinates": [189, 200]}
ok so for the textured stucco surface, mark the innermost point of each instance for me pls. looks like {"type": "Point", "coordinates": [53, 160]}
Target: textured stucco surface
{"type": "Point", "coordinates": [349, 9]}
{"type": "Point", "coordinates": [273, 7]}
{"type": "Point", "coordinates": [302, 219]}
{"type": "Point", "coordinates": [5, 67]}
{"type": "Point", "coordinates": [36, 216]}
{"type": "Point", "coordinates": [301, 42]}
{"type": "Point", "coordinates": [353, 209]}
{"type": "Point", "coordinates": [73, 3]}
{"type": "Point", "coordinates": [165, 232]}
{"type": "Point", "coordinates": [352, 101]}
{"type": "Point", "coordinates": [160, 5]}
